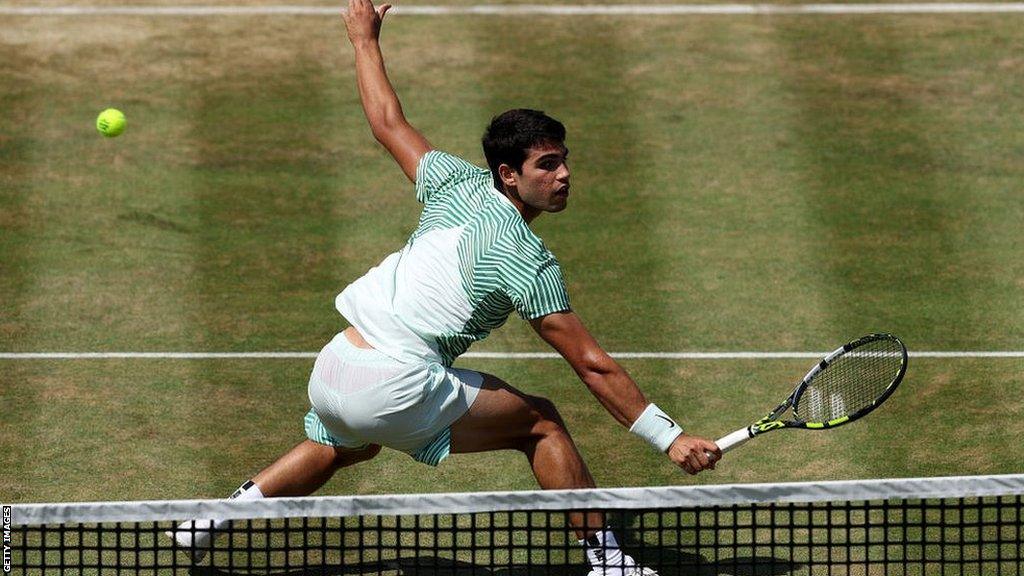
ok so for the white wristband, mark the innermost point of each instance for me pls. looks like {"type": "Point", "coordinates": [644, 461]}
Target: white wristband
{"type": "Point", "coordinates": [656, 427]}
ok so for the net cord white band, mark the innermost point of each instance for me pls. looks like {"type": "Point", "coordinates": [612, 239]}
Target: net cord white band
{"type": "Point", "coordinates": [455, 503]}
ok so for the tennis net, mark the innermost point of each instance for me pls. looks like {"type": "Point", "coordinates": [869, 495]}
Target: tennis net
{"type": "Point", "coordinates": [954, 525]}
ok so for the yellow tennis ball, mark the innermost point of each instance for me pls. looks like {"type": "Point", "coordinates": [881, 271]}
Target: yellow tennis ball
{"type": "Point", "coordinates": [111, 122]}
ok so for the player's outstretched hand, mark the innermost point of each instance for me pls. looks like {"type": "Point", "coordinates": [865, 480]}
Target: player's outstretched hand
{"type": "Point", "coordinates": [691, 453]}
{"type": "Point", "coordinates": [363, 21]}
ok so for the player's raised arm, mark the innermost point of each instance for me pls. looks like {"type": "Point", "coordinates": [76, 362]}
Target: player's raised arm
{"type": "Point", "coordinates": [617, 392]}
{"type": "Point", "coordinates": [380, 103]}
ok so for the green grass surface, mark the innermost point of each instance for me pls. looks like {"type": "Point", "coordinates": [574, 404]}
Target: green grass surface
{"type": "Point", "coordinates": [739, 184]}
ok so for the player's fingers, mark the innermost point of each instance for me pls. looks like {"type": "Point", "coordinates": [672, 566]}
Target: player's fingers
{"type": "Point", "coordinates": [712, 451]}
{"type": "Point", "coordinates": [705, 459]}
{"type": "Point", "coordinates": [716, 450]}
{"type": "Point", "coordinates": [383, 10]}
{"type": "Point", "coordinates": [702, 458]}
{"type": "Point", "coordinates": [694, 463]}
{"type": "Point", "coordinates": [714, 455]}
{"type": "Point", "coordinates": [684, 464]}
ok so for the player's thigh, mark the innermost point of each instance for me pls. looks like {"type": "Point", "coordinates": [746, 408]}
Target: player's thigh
{"type": "Point", "coordinates": [502, 417]}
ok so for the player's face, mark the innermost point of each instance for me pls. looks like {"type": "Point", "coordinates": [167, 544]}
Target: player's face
{"type": "Point", "coordinates": [544, 182]}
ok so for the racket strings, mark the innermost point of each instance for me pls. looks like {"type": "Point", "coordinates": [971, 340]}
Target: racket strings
{"type": "Point", "coordinates": [853, 382]}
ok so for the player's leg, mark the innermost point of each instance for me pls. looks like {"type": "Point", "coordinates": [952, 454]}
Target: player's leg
{"type": "Point", "coordinates": [299, 472]}
{"type": "Point", "coordinates": [503, 418]}
{"type": "Point", "coordinates": [307, 467]}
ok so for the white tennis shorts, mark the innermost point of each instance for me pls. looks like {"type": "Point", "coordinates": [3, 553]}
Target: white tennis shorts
{"type": "Point", "coordinates": [360, 396]}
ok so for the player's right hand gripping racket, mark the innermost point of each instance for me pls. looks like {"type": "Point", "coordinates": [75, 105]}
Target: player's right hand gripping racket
{"type": "Point", "coordinates": [847, 384]}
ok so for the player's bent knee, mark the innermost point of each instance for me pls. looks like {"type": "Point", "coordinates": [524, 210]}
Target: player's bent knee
{"type": "Point", "coordinates": [545, 410]}
{"type": "Point", "coordinates": [548, 420]}
{"type": "Point", "coordinates": [548, 429]}
{"type": "Point", "coordinates": [348, 456]}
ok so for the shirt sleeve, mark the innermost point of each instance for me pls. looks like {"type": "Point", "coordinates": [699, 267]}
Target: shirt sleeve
{"type": "Point", "coordinates": [538, 288]}
{"type": "Point", "coordinates": [439, 171]}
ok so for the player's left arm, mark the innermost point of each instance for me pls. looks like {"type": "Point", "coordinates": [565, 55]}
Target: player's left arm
{"type": "Point", "coordinates": [619, 394]}
{"type": "Point", "coordinates": [380, 102]}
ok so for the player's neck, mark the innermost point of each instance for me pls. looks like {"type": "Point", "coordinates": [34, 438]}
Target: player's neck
{"type": "Point", "coordinates": [527, 212]}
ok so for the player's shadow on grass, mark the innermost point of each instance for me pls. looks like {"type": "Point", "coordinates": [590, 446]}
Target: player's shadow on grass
{"type": "Point", "coordinates": [666, 561]}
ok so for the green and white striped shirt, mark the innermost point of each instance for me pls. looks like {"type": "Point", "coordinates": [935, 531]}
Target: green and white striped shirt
{"type": "Point", "coordinates": [471, 261]}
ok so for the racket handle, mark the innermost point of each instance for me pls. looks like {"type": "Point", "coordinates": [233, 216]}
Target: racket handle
{"type": "Point", "coordinates": [730, 441]}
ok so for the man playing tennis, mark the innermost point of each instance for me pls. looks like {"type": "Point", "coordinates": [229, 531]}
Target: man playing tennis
{"type": "Point", "coordinates": [388, 380]}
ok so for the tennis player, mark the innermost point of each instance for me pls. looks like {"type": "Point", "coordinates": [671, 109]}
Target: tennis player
{"type": "Point", "coordinates": [388, 379]}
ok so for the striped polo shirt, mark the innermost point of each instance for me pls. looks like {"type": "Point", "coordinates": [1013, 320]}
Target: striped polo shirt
{"type": "Point", "coordinates": [471, 261]}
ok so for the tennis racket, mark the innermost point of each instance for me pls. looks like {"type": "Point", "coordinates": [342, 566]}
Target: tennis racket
{"type": "Point", "coordinates": [846, 385]}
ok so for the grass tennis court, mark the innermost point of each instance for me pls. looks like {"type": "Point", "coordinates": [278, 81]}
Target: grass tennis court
{"type": "Point", "coordinates": [740, 183]}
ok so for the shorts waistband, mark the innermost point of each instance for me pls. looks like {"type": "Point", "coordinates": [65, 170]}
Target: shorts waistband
{"type": "Point", "coordinates": [351, 353]}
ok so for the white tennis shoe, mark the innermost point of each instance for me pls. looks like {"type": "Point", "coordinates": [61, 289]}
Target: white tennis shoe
{"type": "Point", "coordinates": [628, 568]}
{"type": "Point", "coordinates": [628, 571]}
{"type": "Point", "coordinates": [193, 537]}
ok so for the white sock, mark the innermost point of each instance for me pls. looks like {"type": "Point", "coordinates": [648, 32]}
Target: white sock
{"type": "Point", "coordinates": [604, 553]}
{"type": "Point", "coordinates": [197, 535]}
{"type": "Point", "coordinates": [247, 491]}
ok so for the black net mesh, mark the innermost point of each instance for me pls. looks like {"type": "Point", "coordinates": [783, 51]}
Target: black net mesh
{"type": "Point", "coordinates": [892, 536]}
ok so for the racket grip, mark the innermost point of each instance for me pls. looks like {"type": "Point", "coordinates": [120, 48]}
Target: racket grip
{"type": "Point", "coordinates": [730, 441]}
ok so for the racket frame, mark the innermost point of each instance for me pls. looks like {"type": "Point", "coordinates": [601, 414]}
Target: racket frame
{"type": "Point", "coordinates": [772, 422]}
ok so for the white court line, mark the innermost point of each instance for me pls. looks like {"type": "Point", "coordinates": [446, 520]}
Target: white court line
{"type": "Point", "coordinates": [470, 355]}
{"type": "Point", "coordinates": [531, 9]}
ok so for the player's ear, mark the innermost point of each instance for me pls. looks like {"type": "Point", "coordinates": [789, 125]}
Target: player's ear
{"type": "Point", "coordinates": [508, 176]}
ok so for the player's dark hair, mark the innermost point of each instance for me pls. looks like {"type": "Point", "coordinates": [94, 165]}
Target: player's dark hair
{"type": "Point", "coordinates": [511, 134]}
